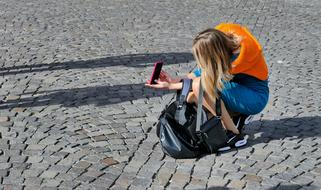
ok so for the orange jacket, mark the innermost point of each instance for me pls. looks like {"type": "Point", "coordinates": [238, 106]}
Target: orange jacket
{"type": "Point", "coordinates": [250, 61]}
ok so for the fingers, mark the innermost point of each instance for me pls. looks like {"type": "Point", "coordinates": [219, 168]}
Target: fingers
{"type": "Point", "coordinates": [149, 84]}
{"type": "Point", "coordinates": [162, 76]}
{"type": "Point", "coordinates": [163, 72]}
{"type": "Point", "coordinates": [160, 82]}
{"type": "Point", "coordinates": [153, 86]}
{"type": "Point", "coordinates": [158, 85]}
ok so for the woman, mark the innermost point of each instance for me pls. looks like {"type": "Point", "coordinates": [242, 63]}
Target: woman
{"type": "Point", "coordinates": [230, 65]}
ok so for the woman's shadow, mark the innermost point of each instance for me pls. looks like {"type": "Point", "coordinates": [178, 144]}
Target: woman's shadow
{"type": "Point", "coordinates": [278, 187]}
{"type": "Point", "coordinates": [293, 130]}
{"type": "Point", "coordinates": [259, 131]}
{"type": "Point", "coordinates": [130, 60]}
{"type": "Point", "coordinates": [97, 95]}
{"type": "Point", "coordinates": [75, 97]}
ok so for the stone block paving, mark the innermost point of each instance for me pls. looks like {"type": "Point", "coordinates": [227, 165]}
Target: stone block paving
{"type": "Point", "coordinates": [74, 113]}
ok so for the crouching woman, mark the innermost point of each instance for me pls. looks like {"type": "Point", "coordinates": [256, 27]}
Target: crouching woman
{"type": "Point", "coordinates": [230, 65]}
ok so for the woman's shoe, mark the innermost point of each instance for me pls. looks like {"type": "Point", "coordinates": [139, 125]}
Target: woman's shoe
{"type": "Point", "coordinates": [241, 120]}
{"type": "Point", "coordinates": [234, 141]}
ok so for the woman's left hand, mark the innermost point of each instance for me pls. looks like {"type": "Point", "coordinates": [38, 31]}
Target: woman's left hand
{"type": "Point", "coordinates": [159, 85]}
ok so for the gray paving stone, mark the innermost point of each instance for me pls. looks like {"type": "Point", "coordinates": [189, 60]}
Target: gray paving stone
{"type": "Point", "coordinates": [32, 181]}
{"type": "Point", "coordinates": [268, 182]}
{"type": "Point", "coordinates": [49, 174]}
{"type": "Point", "coordinates": [180, 179]}
{"type": "Point", "coordinates": [68, 184]}
{"type": "Point", "coordinates": [303, 180]}
{"type": "Point", "coordinates": [85, 179]}
{"type": "Point", "coordinates": [12, 180]}
{"type": "Point", "coordinates": [18, 159]}
{"type": "Point", "coordinates": [50, 183]}
{"type": "Point", "coordinates": [217, 182]}
{"type": "Point", "coordinates": [72, 91]}
{"type": "Point", "coordinates": [236, 184]}
{"type": "Point", "coordinates": [34, 159]}
{"type": "Point", "coordinates": [4, 166]}
{"type": "Point", "coordinates": [82, 164]}
{"type": "Point", "coordinates": [252, 185]}
{"type": "Point", "coordinates": [16, 187]}
{"type": "Point", "coordinates": [66, 176]}
{"type": "Point", "coordinates": [22, 166]}
{"type": "Point", "coordinates": [32, 173]}
{"type": "Point", "coordinates": [39, 166]}
{"type": "Point", "coordinates": [4, 173]}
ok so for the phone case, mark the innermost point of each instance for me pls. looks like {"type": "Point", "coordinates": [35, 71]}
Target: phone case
{"type": "Point", "coordinates": [156, 72]}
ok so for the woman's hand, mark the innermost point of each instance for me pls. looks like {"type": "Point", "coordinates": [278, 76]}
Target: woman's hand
{"type": "Point", "coordinates": [166, 82]}
{"type": "Point", "coordinates": [159, 84]}
{"type": "Point", "coordinates": [165, 85]}
{"type": "Point", "coordinates": [164, 76]}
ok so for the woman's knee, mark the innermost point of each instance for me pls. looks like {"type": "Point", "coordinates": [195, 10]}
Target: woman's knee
{"type": "Point", "coordinates": [196, 85]}
{"type": "Point", "coordinates": [191, 98]}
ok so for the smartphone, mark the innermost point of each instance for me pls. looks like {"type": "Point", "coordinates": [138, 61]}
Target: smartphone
{"type": "Point", "coordinates": [156, 72]}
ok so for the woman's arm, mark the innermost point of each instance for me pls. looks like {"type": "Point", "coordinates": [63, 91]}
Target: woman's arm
{"type": "Point", "coordinates": [166, 85]}
{"type": "Point", "coordinates": [167, 82]}
{"type": "Point", "coordinates": [227, 120]}
{"type": "Point", "coordinates": [225, 116]}
{"type": "Point", "coordinates": [191, 75]}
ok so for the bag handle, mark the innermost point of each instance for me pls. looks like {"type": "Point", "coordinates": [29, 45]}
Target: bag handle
{"type": "Point", "coordinates": [181, 99]}
{"type": "Point", "coordinates": [187, 84]}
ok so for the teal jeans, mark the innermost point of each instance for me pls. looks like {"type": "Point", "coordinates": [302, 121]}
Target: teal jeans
{"type": "Point", "coordinates": [245, 94]}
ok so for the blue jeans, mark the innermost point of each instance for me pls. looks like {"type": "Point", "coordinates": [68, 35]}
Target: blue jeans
{"type": "Point", "coordinates": [245, 94]}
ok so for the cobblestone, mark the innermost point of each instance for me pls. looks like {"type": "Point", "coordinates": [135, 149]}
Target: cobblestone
{"type": "Point", "coordinates": [49, 174]}
{"type": "Point", "coordinates": [237, 184]}
{"type": "Point", "coordinates": [75, 113]}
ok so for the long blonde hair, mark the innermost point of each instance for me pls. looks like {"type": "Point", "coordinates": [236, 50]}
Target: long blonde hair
{"type": "Point", "coordinates": [212, 50]}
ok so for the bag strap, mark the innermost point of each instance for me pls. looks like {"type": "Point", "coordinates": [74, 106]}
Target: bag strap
{"type": "Point", "coordinates": [177, 94]}
{"type": "Point", "coordinates": [199, 108]}
{"type": "Point", "coordinates": [218, 108]}
{"type": "Point", "coordinates": [182, 96]}
{"type": "Point", "coordinates": [181, 99]}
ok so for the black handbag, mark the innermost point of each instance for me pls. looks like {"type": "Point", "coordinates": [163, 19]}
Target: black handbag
{"type": "Point", "coordinates": [185, 132]}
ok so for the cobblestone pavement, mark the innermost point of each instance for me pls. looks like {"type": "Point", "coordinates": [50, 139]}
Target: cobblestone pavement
{"type": "Point", "coordinates": [74, 112]}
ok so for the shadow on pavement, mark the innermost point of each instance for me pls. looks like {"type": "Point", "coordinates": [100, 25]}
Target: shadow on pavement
{"type": "Point", "coordinates": [290, 128]}
{"type": "Point", "coordinates": [216, 188]}
{"type": "Point", "coordinates": [97, 95]}
{"type": "Point", "coordinates": [279, 187]}
{"type": "Point", "coordinates": [292, 187]}
{"type": "Point", "coordinates": [258, 131]}
{"type": "Point", "coordinates": [131, 60]}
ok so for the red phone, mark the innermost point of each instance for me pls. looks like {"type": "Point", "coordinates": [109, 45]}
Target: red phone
{"type": "Point", "coordinates": [156, 72]}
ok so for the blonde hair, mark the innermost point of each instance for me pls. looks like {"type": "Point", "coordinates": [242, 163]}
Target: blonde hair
{"type": "Point", "coordinates": [212, 50]}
